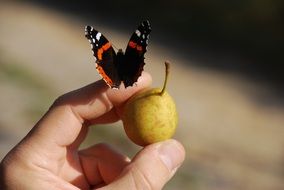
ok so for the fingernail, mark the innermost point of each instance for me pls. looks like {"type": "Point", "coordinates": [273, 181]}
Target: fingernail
{"type": "Point", "coordinates": [171, 154]}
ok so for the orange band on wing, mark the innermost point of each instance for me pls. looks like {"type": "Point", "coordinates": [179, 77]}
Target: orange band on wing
{"type": "Point", "coordinates": [100, 53]}
{"type": "Point", "coordinates": [104, 75]}
{"type": "Point", "coordinates": [102, 49]}
{"type": "Point", "coordinates": [106, 46]}
{"type": "Point", "coordinates": [132, 44]}
{"type": "Point", "coordinates": [135, 46]}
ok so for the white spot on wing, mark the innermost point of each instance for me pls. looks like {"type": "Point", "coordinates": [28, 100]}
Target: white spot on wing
{"type": "Point", "coordinates": [98, 36]}
{"type": "Point", "coordinates": [138, 33]}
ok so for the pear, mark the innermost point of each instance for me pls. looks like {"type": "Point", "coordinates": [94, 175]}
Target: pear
{"type": "Point", "coordinates": [150, 115]}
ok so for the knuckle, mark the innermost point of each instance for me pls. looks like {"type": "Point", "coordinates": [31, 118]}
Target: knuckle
{"type": "Point", "coordinates": [60, 100]}
{"type": "Point", "coordinates": [141, 180]}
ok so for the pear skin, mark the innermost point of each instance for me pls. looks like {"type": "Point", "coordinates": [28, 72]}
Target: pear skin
{"type": "Point", "coordinates": [150, 116]}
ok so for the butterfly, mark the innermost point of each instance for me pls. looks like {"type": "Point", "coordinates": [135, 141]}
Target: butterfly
{"type": "Point", "coordinates": [119, 67]}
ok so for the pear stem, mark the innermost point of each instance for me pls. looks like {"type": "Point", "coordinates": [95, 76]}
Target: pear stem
{"type": "Point", "coordinates": [167, 70]}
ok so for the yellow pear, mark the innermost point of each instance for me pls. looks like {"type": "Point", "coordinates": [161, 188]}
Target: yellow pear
{"type": "Point", "coordinates": [150, 115]}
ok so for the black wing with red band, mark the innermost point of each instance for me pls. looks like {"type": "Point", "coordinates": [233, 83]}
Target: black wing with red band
{"type": "Point", "coordinates": [134, 54]}
{"type": "Point", "coordinates": [105, 57]}
{"type": "Point", "coordinates": [115, 68]}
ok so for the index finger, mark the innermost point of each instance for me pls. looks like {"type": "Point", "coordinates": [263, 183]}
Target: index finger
{"type": "Point", "coordinates": [95, 102]}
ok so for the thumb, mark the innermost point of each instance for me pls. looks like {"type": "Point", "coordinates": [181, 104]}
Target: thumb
{"type": "Point", "coordinates": [152, 167]}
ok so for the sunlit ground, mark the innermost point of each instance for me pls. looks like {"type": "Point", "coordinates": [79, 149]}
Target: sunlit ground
{"type": "Point", "coordinates": [233, 140]}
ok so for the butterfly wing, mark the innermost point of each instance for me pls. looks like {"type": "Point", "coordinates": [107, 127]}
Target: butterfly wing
{"type": "Point", "coordinates": [131, 68]}
{"type": "Point", "coordinates": [105, 57]}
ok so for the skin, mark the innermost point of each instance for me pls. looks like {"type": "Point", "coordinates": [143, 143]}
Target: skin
{"type": "Point", "coordinates": [49, 158]}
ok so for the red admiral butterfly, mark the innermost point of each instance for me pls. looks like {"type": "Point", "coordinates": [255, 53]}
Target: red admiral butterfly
{"type": "Point", "coordinates": [120, 67]}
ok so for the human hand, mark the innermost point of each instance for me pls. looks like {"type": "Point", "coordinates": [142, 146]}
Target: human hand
{"type": "Point", "coordinates": [48, 157]}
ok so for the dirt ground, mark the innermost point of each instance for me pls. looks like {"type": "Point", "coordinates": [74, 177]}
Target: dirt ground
{"type": "Point", "coordinates": [232, 134]}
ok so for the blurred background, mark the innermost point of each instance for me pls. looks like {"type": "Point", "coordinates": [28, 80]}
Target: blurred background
{"type": "Point", "coordinates": [226, 77]}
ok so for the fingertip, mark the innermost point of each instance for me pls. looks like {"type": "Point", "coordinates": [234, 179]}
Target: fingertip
{"type": "Point", "coordinates": [145, 79]}
{"type": "Point", "coordinates": [153, 166]}
{"type": "Point", "coordinates": [172, 153]}
{"type": "Point", "coordinates": [117, 97]}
